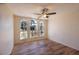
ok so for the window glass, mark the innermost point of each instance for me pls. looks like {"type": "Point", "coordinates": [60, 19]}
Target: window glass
{"type": "Point", "coordinates": [33, 28]}
{"type": "Point", "coordinates": [23, 29]}
{"type": "Point", "coordinates": [41, 28]}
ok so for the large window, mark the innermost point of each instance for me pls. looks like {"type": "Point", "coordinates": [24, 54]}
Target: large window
{"type": "Point", "coordinates": [31, 28]}
{"type": "Point", "coordinates": [23, 29]}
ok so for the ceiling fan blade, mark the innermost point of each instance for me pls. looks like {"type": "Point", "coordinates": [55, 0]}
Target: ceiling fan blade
{"type": "Point", "coordinates": [51, 13]}
{"type": "Point", "coordinates": [39, 16]}
{"type": "Point", "coordinates": [37, 13]}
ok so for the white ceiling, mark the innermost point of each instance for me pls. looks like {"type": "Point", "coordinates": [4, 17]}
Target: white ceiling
{"type": "Point", "coordinates": [27, 9]}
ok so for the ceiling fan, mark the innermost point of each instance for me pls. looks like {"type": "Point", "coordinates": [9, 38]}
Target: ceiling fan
{"type": "Point", "coordinates": [45, 13]}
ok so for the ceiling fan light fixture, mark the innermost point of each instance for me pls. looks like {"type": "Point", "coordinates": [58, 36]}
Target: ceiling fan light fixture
{"type": "Point", "coordinates": [44, 16]}
{"type": "Point", "coordinates": [47, 16]}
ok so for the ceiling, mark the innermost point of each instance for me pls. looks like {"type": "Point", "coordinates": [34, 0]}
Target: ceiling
{"type": "Point", "coordinates": [28, 9]}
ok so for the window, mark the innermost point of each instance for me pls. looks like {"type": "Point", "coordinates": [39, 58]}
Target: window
{"type": "Point", "coordinates": [41, 28]}
{"type": "Point", "coordinates": [23, 29]}
{"type": "Point", "coordinates": [33, 28]}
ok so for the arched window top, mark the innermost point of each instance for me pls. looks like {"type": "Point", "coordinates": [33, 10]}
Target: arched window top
{"type": "Point", "coordinates": [23, 24]}
{"type": "Point", "coordinates": [34, 21]}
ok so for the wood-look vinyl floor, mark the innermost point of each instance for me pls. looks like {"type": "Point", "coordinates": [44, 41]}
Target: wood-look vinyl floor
{"type": "Point", "coordinates": [43, 47]}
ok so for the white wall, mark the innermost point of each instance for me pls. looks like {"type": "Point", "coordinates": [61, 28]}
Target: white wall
{"type": "Point", "coordinates": [6, 30]}
{"type": "Point", "coordinates": [64, 26]}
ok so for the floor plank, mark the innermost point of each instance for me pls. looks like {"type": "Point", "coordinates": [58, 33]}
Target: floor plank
{"type": "Point", "coordinates": [43, 47]}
